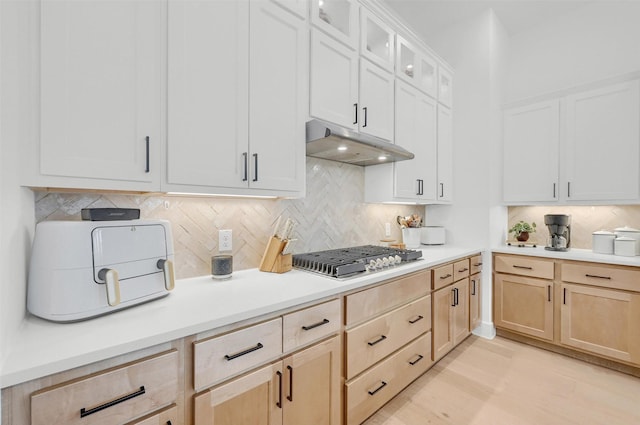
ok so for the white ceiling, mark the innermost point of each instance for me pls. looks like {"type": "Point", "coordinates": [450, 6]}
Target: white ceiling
{"type": "Point", "coordinates": [431, 16]}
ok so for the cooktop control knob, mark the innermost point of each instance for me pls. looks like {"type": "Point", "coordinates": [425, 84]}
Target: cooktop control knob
{"type": "Point", "coordinates": [398, 259]}
{"type": "Point", "coordinates": [379, 263]}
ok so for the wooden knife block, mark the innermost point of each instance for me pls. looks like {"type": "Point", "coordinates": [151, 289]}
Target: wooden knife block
{"type": "Point", "coordinates": [273, 260]}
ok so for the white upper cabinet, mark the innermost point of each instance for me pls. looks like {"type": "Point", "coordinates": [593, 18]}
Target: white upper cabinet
{"type": "Point", "coordinates": [338, 18]}
{"type": "Point", "coordinates": [531, 147]}
{"type": "Point", "coordinates": [298, 7]}
{"type": "Point", "coordinates": [445, 87]}
{"type": "Point", "coordinates": [376, 40]}
{"type": "Point", "coordinates": [376, 101]}
{"type": "Point", "coordinates": [583, 147]}
{"type": "Point", "coordinates": [602, 149]}
{"type": "Point", "coordinates": [231, 129]}
{"type": "Point", "coordinates": [208, 113]}
{"type": "Point", "coordinates": [333, 81]}
{"type": "Point", "coordinates": [416, 67]}
{"type": "Point", "coordinates": [277, 98]}
{"type": "Point", "coordinates": [101, 94]}
{"type": "Point", "coordinates": [445, 155]}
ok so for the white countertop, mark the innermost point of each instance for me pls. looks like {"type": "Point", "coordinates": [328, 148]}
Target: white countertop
{"type": "Point", "coordinates": [572, 254]}
{"type": "Point", "coordinates": [196, 305]}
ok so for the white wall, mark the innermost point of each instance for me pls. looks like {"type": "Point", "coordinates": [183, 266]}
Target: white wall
{"type": "Point", "coordinates": [477, 51]}
{"type": "Point", "coordinates": [595, 42]}
{"type": "Point", "coordinates": [18, 123]}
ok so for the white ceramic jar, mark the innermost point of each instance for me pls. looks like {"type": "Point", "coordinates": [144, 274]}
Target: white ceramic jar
{"type": "Point", "coordinates": [629, 232]}
{"type": "Point", "coordinates": [625, 246]}
{"type": "Point", "coordinates": [602, 242]}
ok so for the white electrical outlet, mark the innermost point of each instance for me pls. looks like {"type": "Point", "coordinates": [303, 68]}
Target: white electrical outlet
{"type": "Point", "coordinates": [387, 229]}
{"type": "Point", "coordinates": [225, 240]}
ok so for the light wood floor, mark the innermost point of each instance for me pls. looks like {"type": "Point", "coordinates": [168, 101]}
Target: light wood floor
{"type": "Point", "coordinates": [501, 382]}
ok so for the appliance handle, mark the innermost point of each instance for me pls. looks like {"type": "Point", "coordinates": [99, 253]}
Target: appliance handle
{"type": "Point", "coordinates": [168, 271]}
{"type": "Point", "coordinates": [112, 284]}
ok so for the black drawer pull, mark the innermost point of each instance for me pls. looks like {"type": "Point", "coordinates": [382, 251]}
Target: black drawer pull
{"type": "Point", "coordinates": [382, 338]}
{"type": "Point", "coordinates": [383, 384]}
{"type": "Point", "coordinates": [242, 353]}
{"type": "Point", "coordinates": [598, 277]}
{"type": "Point", "coordinates": [446, 276]}
{"type": "Point", "coordinates": [463, 270]}
{"type": "Point", "coordinates": [290, 396]}
{"type": "Point", "coordinates": [279, 402]}
{"type": "Point", "coordinates": [522, 267]}
{"type": "Point", "coordinates": [420, 357]}
{"type": "Point", "coordinates": [315, 325]}
{"type": "Point", "coordinates": [417, 319]}
{"type": "Point", "coordinates": [477, 265]}
{"type": "Point", "coordinates": [84, 412]}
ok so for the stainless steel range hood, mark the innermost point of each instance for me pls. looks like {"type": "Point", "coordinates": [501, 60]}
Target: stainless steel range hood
{"type": "Point", "coordinates": [330, 141]}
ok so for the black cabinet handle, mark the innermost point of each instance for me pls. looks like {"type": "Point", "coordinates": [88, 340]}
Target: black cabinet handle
{"type": "Point", "coordinates": [554, 191]}
{"type": "Point", "coordinates": [420, 357]}
{"type": "Point", "coordinates": [522, 267]}
{"type": "Point", "coordinates": [355, 107]}
{"type": "Point", "coordinates": [442, 190]}
{"type": "Point", "coordinates": [454, 297]}
{"type": "Point", "coordinates": [598, 277]}
{"type": "Point", "coordinates": [372, 343]}
{"type": "Point", "coordinates": [446, 276]}
{"type": "Point", "coordinates": [564, 295]}
{"type": "Point", "coordinates": [418, 192]}
{"type": "Point", "coordinates": [315, 325]}
{"type": "Point", "coordinates": [568, 189]}
{"type": "Point", "coordinates": [383, 384]}
{"type": "Point", "coordinates": [244, 352]}
{"type": "Point", "coordinates": [463, 270]}
{"type": "Point", "coordinates": [549, 293]}
{"type": "Point", "coordinates": [84, 412]}
{"type": "Point", "coordinates": [290, 396]}
{"type": "Point", "coordinates": [245, 157]}
{"type": "Point", "coordinates": [147, 167]}
{"type": "Point", "coordinates": [457, 296]}
{"type": "Point", "coordinates": [473, 288]}
{"type": "Point", "coordinates": [279, 402]}
{"type": "Point", "coordinates": [255, 164]}
{"type": "Point", "coordinates": [417, 319]}
{"type": "Point", "coordinates": [365, 116]}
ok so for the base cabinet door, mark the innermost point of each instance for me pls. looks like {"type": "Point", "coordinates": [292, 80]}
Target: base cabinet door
{"type": "Point", "coordinates": [475, 304]}
{"type": "Point", "coordinates": [249, 400]}
{"type": "Point", "coordinates": [601, 321]}
{"type": "Point", "coordinates": [460, 311]}
{"type": "Point", "coordinates": [524, 305]}
{"type": "Point", "coordinates": [442, 332]}
{"type": "Point", "coordinates": [312, 385]}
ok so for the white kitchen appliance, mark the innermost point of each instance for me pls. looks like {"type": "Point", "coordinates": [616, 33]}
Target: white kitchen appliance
{"type": "Point", "coordinates": [83, 269]}
{"type": "Point", "coordinates": [432, 235]}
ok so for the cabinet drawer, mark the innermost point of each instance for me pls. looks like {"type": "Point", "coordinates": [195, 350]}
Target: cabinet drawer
{"type": "Point", "coordinates": [109, 397]}
{"type": "Point", "coordinates": [601, 275]}
{"type": "Point", "coordinates": [305, 326]}
{"type": "Point", "coordinates": [165, 416]}
{"type": "Point", "coordinates": [372, 341]}
{"type": "Point", "coordinates": [476, 264]}
{"type": "Point", "coordinates": [524, 266]}
{"type": "Point", "coordinates": [460, 270]}
{"type": "Point", "coordinates": [442, 276]}
{"type": "Point", "coordinates": [371, 302]}
{"type": "Point", "coordinates": [371, 390]}
{"type": "Point", "coordinates": [220, 357]}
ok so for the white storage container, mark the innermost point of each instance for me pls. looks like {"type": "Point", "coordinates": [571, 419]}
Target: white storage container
{"type": "Point", "coordinates": [625, 246]}
{"type": "Point", "coordinates": [629, 232]}
{"type": "Point", "coordinates": [432, 235]}
{"type": "Point", "coordinates": [603, 242]}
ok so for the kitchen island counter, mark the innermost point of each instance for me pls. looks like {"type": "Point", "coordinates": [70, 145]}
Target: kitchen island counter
{"type": "Point", "coordinates": [196, 305]}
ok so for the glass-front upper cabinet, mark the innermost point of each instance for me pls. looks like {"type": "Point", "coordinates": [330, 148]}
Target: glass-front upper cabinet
{"type": "Point", "coordinates": [445, 89]}
{"type": "Point", "coordinates": [376, 40]}
{"type": "Point", "coordinates": [338, 18]}
{"type": "Point", "coordinates": [416, 67]}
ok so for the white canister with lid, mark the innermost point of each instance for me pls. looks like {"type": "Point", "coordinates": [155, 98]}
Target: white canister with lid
{"type": "Point", "coordinates": [602, 242]}
{"type": "Point", "coordinates": [629, 232]}
{"type": "Point", "coordinates": [625, 246]}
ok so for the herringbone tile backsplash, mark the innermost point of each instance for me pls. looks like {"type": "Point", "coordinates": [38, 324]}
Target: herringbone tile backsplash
{"type": "Point", "coordinates": [332, 215]}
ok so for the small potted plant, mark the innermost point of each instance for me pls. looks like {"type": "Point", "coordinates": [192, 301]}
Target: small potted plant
{"type": "Point", "coordinates": [522, 230]}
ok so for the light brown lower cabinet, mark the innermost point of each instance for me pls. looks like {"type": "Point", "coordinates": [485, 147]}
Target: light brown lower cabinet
{"type": "Point", "coordinates": [303, 388]}
{"type": "Point", "coordinates": [524, 304]}
{"type": "Point", "coordinates": [167, 416]}
{"type": "Point", "coordinates": [601, 320]}
{"type": "Point", "coordinates": [450, 317]}
{"type": "Point", "coordinates": [475, 301]}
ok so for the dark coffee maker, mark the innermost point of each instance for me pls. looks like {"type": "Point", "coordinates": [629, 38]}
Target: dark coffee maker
{"type": "Point", "coordinates": [559, 232]}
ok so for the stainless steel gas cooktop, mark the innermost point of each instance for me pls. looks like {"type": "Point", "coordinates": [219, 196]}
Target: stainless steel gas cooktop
{"type": "Point", "coordinates": [347, 262]}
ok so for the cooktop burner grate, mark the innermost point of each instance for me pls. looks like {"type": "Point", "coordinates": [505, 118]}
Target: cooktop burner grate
{"type": "Point", "coordinates": [348, 261]}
